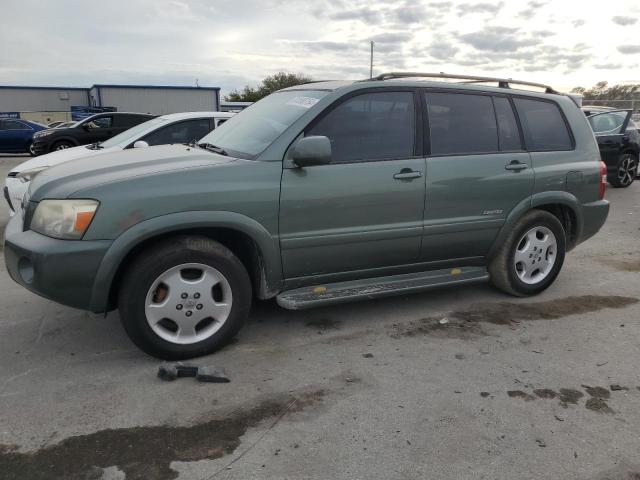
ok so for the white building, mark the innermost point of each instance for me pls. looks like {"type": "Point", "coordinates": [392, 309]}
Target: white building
{"type": "Point", "coordinates": [156, 100]}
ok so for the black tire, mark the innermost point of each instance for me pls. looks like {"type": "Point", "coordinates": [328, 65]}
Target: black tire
{"type": "Point", "coordinates": [625, 172]}
{"type": "Point", "coordinates": [502, 267]}
{"type": "Point", "coordinates": [150, 264]}
{"type": "Point", "coordinates": [61, 145]}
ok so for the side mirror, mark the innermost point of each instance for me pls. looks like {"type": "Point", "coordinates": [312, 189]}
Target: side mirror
{"type": "Point", "coordinates": [140, 144]}
{"type": "Point", "coordinates": [86, 126]}
{"type": "Point", "coordinates": [309, 151]}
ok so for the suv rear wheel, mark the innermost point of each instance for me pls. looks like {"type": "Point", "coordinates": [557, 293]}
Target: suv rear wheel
{"type": "Point", "coordinates": [184, 298]}
{"type": "Point", "coordinates": [626, 171]}
{"type": "Point", "coordinates": [531, 257]}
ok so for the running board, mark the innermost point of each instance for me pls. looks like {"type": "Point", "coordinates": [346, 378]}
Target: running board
{"type": "Point", "coordinates": [332, 293]}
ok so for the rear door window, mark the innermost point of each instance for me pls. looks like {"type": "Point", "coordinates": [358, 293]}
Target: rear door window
{"type": "Point", "coordinates": [461, 123]}
{"type": "Point", "coordinates": [544, 126]}
{"type": "Point", "coordinates": [371, 126]}
{"type": "Point", "coordinates": [508, 133]}
{"type": "Point", "coordinates": [607, 123]}
{"type": "Point", "coordinates": [14, 125]}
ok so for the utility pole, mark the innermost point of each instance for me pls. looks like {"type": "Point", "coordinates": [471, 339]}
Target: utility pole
{"type": "Point", "coordinates": [371, 62]}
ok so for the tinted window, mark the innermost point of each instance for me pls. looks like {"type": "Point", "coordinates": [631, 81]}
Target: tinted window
{"type": "Point", "coordinates": [372, 126]}
{"type": "Point", "coordinates": [508, 133]}
{"type": "Point", "coordinates": [13, 125]}
{"type": "Point", "coordinates": [101, 122]}
{"type": "Point", "coordinates": [607, 122]}
{"type": "Point", "coordinates": [543, 125]}
{"type": "Point", "coordinates": [461, 123]}
{"type": "Point", "coordinates": [128, 121]}
{"type": "Point", "coordinates": [181, 132]}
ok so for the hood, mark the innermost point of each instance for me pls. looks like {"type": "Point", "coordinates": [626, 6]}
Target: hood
{"type": "Point", "coordinates": [64, 179]}
{"type": "Point", "coordinates": [57, 157]}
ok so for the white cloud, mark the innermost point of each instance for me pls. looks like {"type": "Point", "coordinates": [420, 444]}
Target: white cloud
{"type": "Point", "coordinates": [229, 43]}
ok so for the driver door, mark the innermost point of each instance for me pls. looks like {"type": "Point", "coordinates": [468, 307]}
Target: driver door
{"type": "Point", "coordinates": [100, 129]}
{"type": "Point", "coordinates": [363, 210]}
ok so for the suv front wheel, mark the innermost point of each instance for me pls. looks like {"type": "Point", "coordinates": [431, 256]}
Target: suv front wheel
{"type": "Point", "coordinates": [185, 297]}
{"type": "Point", "coordinates": [531, 257]}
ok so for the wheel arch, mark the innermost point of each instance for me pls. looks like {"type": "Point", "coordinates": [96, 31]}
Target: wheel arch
{"type": "Point", "coordinates": [63, 139]}
{"type": "Point", "coordinates": [563, 205]}
{"type": "Point", "coordinates": [255, 247]}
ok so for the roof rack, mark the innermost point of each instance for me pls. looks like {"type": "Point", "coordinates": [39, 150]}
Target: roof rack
{"type": "Point", "coordinates": [502, 82]}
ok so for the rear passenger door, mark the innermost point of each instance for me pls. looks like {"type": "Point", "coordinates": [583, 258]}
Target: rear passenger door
{"type": "Point", "coordinates": [14, 135]}
{"type": "Point", "coordinates": [477, 172]}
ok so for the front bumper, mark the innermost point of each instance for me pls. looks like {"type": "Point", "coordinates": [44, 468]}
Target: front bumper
{"type": "Point", "coordinates": [594, 215]}
{"type": "Point", "coordinates": [60, 270]}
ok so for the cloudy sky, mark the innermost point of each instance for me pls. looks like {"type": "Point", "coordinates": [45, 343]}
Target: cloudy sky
{"type": "Point", "coordinates": [229, 43]}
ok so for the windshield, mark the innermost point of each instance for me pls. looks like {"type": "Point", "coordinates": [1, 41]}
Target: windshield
{"type": "Point", "coordinates": [248, 133]}
{"type": "Point", "coordinates": [131, 134]}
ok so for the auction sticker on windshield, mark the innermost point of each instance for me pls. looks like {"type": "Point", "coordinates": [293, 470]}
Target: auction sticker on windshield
{"type": "Point", "coordinates": [304, 102]}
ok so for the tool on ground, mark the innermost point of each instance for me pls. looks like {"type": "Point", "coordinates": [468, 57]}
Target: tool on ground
{"type": "Point", "coordinates": [170, 372]}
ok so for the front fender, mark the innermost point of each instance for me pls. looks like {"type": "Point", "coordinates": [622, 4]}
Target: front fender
{"type": "Point", "coordinates": [173, 223]}
{"type": "Point", "coordinates": [539, 199]}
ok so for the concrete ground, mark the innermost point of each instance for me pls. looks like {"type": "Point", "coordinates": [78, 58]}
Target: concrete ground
{"type": "Point", "coordinates": [546, 387]}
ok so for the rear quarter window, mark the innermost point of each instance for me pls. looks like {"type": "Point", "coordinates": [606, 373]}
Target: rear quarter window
{"type": "Point", "coordinates": [543, 124]}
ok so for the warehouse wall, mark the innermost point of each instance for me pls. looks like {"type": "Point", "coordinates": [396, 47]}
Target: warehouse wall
{"type": "Point", "coordinates": [40, 99]}
{"type": "Point", "coordinates": [157, 101]}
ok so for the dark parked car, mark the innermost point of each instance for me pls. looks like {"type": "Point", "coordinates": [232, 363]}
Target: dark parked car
{"type": "Point", "coordinates": [94, 129]}
{"type": "Point", "coordinates": [16, 135]}
{"type": "Point", "coordinates": [619, 142]}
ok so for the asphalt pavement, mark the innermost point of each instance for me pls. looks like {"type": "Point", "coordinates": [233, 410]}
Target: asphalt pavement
{"type": "Point", "coordinates": [457, 383]}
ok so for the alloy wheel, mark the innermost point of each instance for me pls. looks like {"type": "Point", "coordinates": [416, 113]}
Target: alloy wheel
{"type": "Point", "coordinates": [188, 303]}
{"type": "Point", "coordinates": [535, 255]}
{"type": "Point", "coordinates": [627, 169]}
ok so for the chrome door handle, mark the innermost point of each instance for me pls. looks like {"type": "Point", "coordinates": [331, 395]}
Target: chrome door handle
{"type": "Point", "coordinates": [515, 165]}
{"type": "Point", "coordinates": [406, 174]}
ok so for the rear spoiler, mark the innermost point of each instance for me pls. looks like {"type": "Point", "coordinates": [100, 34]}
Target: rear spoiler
{"type": "Point", "coordinates": [576, 97]}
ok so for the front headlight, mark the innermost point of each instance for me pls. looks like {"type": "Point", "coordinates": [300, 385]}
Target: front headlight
{"type": "Point", "coordinates": [27, 175]}
{"type": "Point", "coordinates": [65, 219]}
{"type": "Point", "coordinates": [42, 133]}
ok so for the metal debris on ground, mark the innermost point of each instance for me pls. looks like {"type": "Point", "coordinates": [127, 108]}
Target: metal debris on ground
{"type": "Point", "coordinates": [170, 372]}
{"type": "Point", "coordinates": [443, 321]}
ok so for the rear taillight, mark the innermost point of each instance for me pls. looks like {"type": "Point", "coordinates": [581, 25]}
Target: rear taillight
{"type": "Point", "coordinates": [603, 179]}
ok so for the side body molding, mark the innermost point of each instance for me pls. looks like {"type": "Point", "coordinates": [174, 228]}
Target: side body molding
{"type": "Point", "coordinates": [174, 223]}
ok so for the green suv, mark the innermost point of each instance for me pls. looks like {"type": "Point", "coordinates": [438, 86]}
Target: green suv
{"type": "Point", "coordinates": [317, 194]}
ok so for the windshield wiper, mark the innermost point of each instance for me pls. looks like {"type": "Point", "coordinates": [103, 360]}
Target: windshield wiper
{"type": "Point", "coordinates": [96, 146]}
{"type": "Point", "coordinates": [213, 148]}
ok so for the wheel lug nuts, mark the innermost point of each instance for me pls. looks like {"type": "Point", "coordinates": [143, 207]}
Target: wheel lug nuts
{"type": "Point", "coordinates": [179, 307]}
{"type": "Point", "coordinates": [199, 306]}
{"type": "Point", "coordinates": [188, 313]}
{"type": "Point", "coordinates": [184, 295]}
{"type": "Point", "coordinates": [196, 295]}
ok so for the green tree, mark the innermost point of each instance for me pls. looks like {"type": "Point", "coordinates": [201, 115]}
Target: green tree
{"type": "Point", "coordinates": [604, 94]}
{"type": "Point", "coordinates": [269, 85]}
